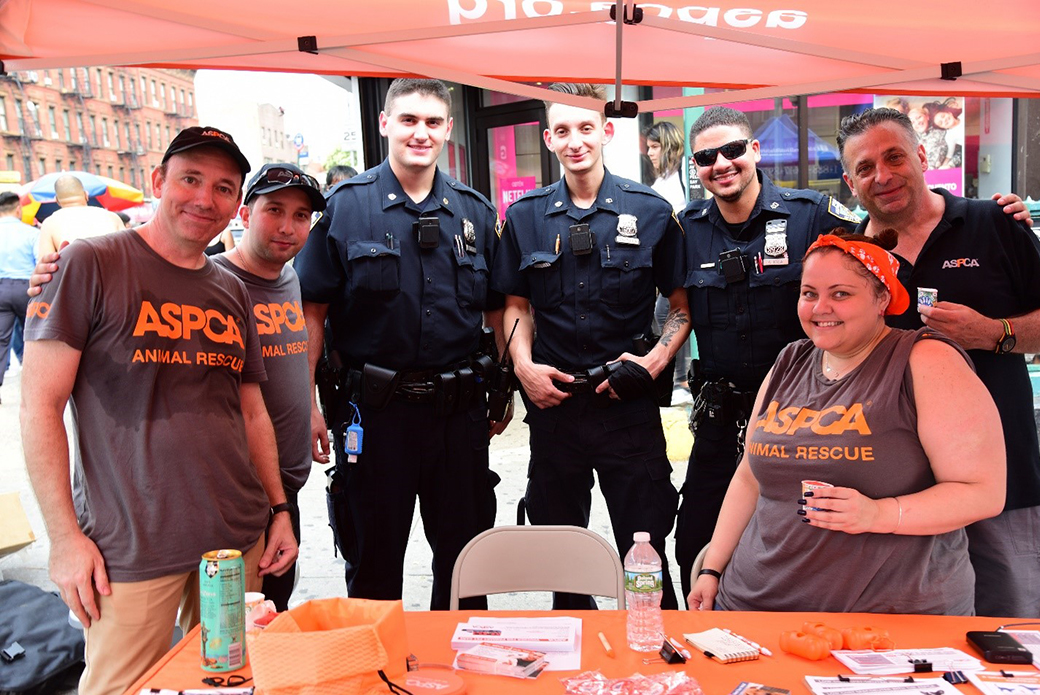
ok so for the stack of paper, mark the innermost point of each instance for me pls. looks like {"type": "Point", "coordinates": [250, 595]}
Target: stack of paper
{"type": "Point", "coordinates": [879, 686]}
{"type": "Point", "coordinates": [559, 638]}
{"type": "Point", "coordinates": [1006, 682]}
{"type": "Point", "coordinates": [890, 662]}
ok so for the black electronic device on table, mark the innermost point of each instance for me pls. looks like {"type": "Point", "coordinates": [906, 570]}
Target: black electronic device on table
{"type": "Point", "coordinates": [999, 648]}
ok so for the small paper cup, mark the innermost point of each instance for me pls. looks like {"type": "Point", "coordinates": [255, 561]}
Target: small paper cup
{"type": "Point", "coordinates": [808, 485]}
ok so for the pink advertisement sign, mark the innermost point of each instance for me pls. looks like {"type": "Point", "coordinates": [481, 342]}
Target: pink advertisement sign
{"type": "Point", "coordinates": [512, 188]}
{"type": "Point", "coordinates": [939, 125]}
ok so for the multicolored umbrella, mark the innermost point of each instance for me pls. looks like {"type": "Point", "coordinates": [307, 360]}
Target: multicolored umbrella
{"type": "Point", "coordinates": [38, 196]}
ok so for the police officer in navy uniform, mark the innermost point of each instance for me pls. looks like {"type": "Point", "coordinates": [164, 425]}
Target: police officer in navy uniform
{"type": "Point", "coordinates": [744, 257]}
{"type": "Point", "coordinates": [586, 254]}
{"type": "Point", "coordinates": [398, 265]}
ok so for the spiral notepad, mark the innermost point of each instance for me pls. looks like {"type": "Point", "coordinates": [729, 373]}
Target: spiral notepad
{"type": "Point", "coordinates": [722, 646]}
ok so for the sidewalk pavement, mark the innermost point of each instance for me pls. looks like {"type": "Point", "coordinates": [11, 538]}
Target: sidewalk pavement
{"type": "Point", "coordinates": [321, 572]}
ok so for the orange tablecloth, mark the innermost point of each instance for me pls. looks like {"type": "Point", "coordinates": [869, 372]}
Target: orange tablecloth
{"type": "Point", "coordinates": [429, 637]}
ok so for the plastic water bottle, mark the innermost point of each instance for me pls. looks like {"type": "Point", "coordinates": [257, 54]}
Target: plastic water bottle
{"type": "Point", "coordinates": [643, 591]}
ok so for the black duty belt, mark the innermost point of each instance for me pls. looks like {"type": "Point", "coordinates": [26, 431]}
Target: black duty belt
{"type": "Point", "coordinates": [585, 381]}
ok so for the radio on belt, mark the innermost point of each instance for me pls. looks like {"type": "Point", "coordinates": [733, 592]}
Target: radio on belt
{"type": "Point", "coordinates": [353, 435]}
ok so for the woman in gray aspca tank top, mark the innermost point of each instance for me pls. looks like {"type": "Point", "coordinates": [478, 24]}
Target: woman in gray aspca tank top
{"type": "Point", "coordinates": [896, 440]}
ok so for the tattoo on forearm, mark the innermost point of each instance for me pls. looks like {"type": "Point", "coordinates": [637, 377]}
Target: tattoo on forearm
{"type": "Point", "coordinates": [677, 318]}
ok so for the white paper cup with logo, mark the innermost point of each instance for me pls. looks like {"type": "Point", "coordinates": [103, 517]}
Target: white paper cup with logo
{"type": "Point", "coordinates": [813, 485]}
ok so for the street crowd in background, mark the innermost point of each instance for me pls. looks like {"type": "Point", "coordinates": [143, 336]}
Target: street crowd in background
{"type": "Point", "coordinates": [362, 323]}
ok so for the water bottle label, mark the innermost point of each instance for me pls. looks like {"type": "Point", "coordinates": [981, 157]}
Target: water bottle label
{"type": "Point", "coordinates": [644, 582]}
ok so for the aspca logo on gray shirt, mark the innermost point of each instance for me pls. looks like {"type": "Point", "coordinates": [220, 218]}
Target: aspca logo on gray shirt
{"type": "Point", "coordinates": [179, 321]}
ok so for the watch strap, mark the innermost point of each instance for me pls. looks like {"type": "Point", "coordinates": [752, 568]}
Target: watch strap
{"type": "Point", "coordinates": [712, 573]}
{"type": "Point", "coordinates": [1009, 333]}
{"type": "Point", "coordinates": [283, 507]}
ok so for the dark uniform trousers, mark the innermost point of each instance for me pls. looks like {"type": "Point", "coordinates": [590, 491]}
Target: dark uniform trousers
{"type": "Point", "coordinates": [13, 304]}
{"type": "Point", "coordinates": [623, 443]}
{"type": "Point", "coordinates": [409, 451]}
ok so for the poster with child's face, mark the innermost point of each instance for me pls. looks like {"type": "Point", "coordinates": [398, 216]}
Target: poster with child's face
{"type": "Point", "coordinates": [939, 124]}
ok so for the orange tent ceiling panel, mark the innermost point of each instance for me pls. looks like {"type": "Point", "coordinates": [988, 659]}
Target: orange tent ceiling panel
{"type": "Point", "coordinates": [769, 47]}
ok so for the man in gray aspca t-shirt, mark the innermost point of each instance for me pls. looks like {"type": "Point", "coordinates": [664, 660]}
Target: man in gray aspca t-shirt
{"type": "Point", "coordinates": [158, 350]}
{"type": "Point", "coordinates": [278, 205]}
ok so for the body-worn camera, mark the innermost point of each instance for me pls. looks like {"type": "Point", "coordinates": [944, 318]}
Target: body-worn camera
{"type": "Point", "coordinates": [581, 239]}
{"type": "Point", "coordinates": [733, 265]}
{"type": "Point", "coordinates": [428, 231]}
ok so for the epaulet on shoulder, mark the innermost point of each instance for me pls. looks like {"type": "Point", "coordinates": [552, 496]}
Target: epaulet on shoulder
{"type": "Point", "coordinates": [463, 188]}
{"type": "Point", "coordinates": [695, 207]}
{"type": "Point", "coordinates": [802, 194]}
{"type": "Point", "coordinates": [636, 187]}
{"type": "Point", "coordinates": [362, 179]}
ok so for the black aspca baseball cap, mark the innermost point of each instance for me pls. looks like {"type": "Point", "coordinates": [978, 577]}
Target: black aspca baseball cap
{"type": "Point", "coordinates": [198, 136]}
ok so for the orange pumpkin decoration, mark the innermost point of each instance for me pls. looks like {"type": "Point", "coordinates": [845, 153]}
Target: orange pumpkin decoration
{"type": "Point", "coordinates": [831, 634]}
{"type": "Point", "coordinates": [867, 638]}
{"type": "Point", "coordinates": [803, 644]}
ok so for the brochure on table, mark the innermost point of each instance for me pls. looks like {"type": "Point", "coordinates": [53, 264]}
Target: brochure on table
{"type": "Point", "coordinates": [559, 638]}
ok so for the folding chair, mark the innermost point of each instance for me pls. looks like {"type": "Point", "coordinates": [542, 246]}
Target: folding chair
{"type": "Point", "coordinates": [538, 558]}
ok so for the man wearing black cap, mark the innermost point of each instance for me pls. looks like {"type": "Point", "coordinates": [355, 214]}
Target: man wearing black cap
{"type": "Point", "coordinates": [276, 212]}
{"type": "Point", "coordinates": [158, 350]}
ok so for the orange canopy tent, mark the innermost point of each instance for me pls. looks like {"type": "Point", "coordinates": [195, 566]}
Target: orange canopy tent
{"type": "Point", "coordinates": [766, 48]}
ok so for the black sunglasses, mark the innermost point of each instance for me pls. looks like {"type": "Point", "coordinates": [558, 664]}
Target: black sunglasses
{"type": "Point", "coordinates": [231, 681]}
{"type": "Point", "coordinates": [284, 177]}
{"type": "Point", "coordinates": [731, 150]}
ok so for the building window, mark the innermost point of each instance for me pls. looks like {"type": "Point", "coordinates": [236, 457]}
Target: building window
{"type": "Point", "coordinates": [79, 125]}
{"type": "Point", "coordinates": [167, 134]}
{"type": "Point", "coordinates": [99, 92]}
{"type": "Point", "coordinates": [155, 98]}
{"type": "Point", "coordinates": [61, 80]}
{"type": "Point", "coordinates": [112, 87]}
{"type": "Point", "coordinates": [116, 135]}
{"type": "Point", "coordinates": [137, 134]}
{"type": "Point", "coordinates": [10, 162]}
{"type": "Point", "coordinates": [97, 169]}
{"type": "Point", "coordinates": [72, 165]}
{"type": "Point", "coordinates": [93, 130]}
{"type": "Point", "coordinates": [191, 105]}
{"type": "Point", "coordinates": [144, 88]}
{"type": "Point", "coordinates": [129, 142]}
{"type": "Point", "coordinates": [34, 111]}
{"type": "Point", "coordinates": [43, 166]}
{"type": "Point", "coordinates": [3, 114]}
{"type": "Point", "coordinates": [133, 176]}
{"type": "Point", "coordinates": [122, 173]}
{"type": "Point", "coordinates": [74, 79]}
{"type": "Point", "coordinates": [57, 165]}
{"type": "Point", "coordinates": [162, 94]}
{"type": "Point", "coordinates": [68, 126]}
{"type": "Point", "coordinates": [182, 100]}
{"type": "Point", "coordinates": [110, 172]}
{"type": "Point", "coordinates": [148, 133]}
{"type": "Point", "coordinates": [158, 137]}
{"type": "Point", "coordinates": [19, 116]}
{"type": "Point", "coordinates": [52, 116]}
{"type": "Point", "coordinates": [122, 86]}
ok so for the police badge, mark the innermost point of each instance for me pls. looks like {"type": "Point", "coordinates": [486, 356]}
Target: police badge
{"type": "Point", "coordinates": [776, 243]}
{"type": "Point", "coordinates": [469, 235]}
{"type": "Point", "coordinates": [626, 227]}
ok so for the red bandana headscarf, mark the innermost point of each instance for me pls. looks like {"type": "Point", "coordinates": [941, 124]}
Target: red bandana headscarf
{"type": "Point", "coordinates": [878, 261]}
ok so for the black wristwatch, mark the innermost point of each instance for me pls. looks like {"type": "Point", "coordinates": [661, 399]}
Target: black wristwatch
{"type": "Point", "coordinates": [711, 573]}
{"type": "Point", "coordinates": [1007, 342]}
{"type": "Point", "coordinates": [283, 507]}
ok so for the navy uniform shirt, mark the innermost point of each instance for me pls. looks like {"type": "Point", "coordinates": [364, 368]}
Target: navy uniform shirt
{"type": "Point", "coordinates": [741, 327]}
{"type": "Point", "coordinates": [984, 259]}
{"type": "Point", "coordinates": [390, 302]}
{"type": "Point", "coordinates": [589, 308]}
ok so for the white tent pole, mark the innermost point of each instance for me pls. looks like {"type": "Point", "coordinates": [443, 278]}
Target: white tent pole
{"type": "Point", "coordinates": [619, 23]}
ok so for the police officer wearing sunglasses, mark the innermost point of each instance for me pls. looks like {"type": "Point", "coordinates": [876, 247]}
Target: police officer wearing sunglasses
{"type": "Point", "coordinates": [744, 252]}
{"type": "Point", "coordinates": [398, 265]}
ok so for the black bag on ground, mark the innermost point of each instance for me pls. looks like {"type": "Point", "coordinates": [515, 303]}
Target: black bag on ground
{"type": "Point", "coordinates": [38, 622]}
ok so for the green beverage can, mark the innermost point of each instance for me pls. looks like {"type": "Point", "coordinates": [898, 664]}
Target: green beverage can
{"type": "Point", "coordinates": [222, 610]}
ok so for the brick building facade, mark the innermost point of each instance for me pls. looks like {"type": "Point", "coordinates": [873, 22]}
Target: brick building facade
{"type": "Point", "coordinates": [112, 121]}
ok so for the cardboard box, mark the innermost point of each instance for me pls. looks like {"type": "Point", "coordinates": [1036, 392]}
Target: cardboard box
{"type": "Point", "coordinates": [15, 532]}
